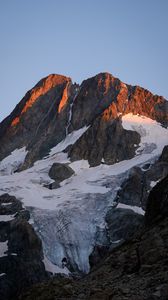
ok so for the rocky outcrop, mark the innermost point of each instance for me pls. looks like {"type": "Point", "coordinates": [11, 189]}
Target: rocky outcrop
{"type": "Point", "coordinates": [157, 205]}
{"type": "Point", "coordinates": [60, 172]}
{"type": "Point", "coordinates": [104, 142]}
{"type": "Point", "coordinates": [21, 262]}
{"type": "Point", "coordinates": [122, 224]}
{"type": "Point", "coordinates": [135, 189]}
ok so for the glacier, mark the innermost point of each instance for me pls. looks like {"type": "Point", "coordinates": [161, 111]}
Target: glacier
{"type": "Point", "coordinates": [70, 220]}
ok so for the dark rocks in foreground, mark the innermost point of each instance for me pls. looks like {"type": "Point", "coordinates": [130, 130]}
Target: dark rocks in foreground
{"type": "Point", "coordinates": [21, 264]}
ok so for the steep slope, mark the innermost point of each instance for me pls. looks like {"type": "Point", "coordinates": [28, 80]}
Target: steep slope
{"type": "Point", "coordinates": [36, 117]}
{"type": "Point", "coordinates": [55, 107]}
{"type": "Point", "coordinates": [136, 270]}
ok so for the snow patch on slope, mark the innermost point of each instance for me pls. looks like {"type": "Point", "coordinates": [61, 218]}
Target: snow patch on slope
{"type": "Point", "coordinates": [12, 162]}
{"type": "Point", "coordinates": [70, 139]}
{"type": "Point", "coordinates": [68, 219]}
{"type": "Point", "coordinates": [136, 209]}
{"type": "Point", "coordinates": [153, 136]}
{"type": "Point", "coordinates": [3, 248]}
{"type": "Point", "coordinates": [6, 218]}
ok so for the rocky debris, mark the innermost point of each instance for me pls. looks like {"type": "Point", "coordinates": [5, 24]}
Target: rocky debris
{"type": "Point", "coordinates": [98, 253]}
{"type": "Point", "coordinates": [105, 141]}
{"type": "Point", "coordinates": [59, 172]}
{"type": "Point", "coordinates": [136, 269]}
{"type": "Point", "coordinates": [21, 264]}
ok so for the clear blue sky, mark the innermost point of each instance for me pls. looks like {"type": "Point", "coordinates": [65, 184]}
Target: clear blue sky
{"type": "Point", "coordinates": [80, 38]}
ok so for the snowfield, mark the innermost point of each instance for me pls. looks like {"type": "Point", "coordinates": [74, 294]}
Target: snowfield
{"type": "Point", "coordinates": [70, 220]}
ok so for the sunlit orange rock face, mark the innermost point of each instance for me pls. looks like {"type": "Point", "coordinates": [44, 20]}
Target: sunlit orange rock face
{"type": "Point", "coordinates": [107, 97]}
{"type": "Point", "coordinates": [64, 98]}
{"type": "Point", "coordinates": [47, 84]}
{"type": "Point", "coordinates": [40, 119]}
{"type": "Point", "coordinates": [138, 101]}
{"type": "Point", "coordinates": [118, 107]}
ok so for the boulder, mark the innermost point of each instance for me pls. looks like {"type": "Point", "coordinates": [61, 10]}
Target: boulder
{"type": "Point", "coordinates": [60, 172]}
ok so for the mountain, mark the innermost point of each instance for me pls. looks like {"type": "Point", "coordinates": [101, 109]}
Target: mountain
{"type": "Point", "coordinates": [81, 160]}
{"type": "Point", "coordinates": [55, 107]}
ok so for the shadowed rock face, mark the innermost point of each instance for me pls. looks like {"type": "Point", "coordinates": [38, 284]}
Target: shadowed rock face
{"type": "Point", "coordinates": [157, 205]}
{"type": "Point", "coordinates": [41, 119]}
{"type": "Point", "coordinates": [21, 264]}
{"type": "Point", "coordinates": [136, 187]}
{"type": "Point", "coordinates": [105, 140]}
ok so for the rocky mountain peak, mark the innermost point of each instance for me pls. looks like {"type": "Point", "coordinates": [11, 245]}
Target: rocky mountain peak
{"type": "Point", "coordinates": [56, 107]}
{"type": "Point", "coordinates": [42, 87]}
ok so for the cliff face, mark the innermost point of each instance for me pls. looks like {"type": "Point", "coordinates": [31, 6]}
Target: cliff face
{"type": "Point", "coordinates": [37, 115]}
{"type": "Point", "coordinates": [55, 107]}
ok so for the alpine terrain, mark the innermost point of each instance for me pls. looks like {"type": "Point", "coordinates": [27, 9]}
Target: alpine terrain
{"type": "Point", "coordinates": [84, 193]}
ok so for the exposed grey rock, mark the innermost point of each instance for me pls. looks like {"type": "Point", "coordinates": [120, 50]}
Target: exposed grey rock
{"type": "Point", "coordinates": [122, 224]}
{"type": "Point", "coordinates": [133, 190]}
{"type": "Point", "coordinates": [105, 140]}
{"type": "Point", "coordinates": [136, 187]}
{"type": "Point", "coordinates": [60, 172]}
